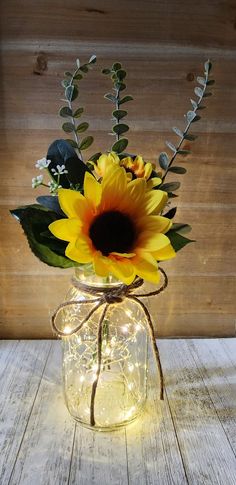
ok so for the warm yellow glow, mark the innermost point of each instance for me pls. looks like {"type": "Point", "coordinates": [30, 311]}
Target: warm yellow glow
{"type": "Point", "coordinates": [67, 330]}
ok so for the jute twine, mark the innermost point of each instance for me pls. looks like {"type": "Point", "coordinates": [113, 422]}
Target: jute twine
{"type": "Point", "coordinates": [109, 296]}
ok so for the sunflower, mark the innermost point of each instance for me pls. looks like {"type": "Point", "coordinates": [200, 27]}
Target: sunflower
{"type": "Point", "coordinates": [105, 162]}
{"type": "Point", "coordinates": [137, 166]}
{"type": "Point", "coordinates": [115, 225]}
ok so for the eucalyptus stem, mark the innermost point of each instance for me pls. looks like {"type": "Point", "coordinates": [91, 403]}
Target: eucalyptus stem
{"type": "Point", "coordinates": [187, 126]}
{"type": "Point", "coordinates": [78, 151]}
{"type": "Point", "coordinates": [117, 107]}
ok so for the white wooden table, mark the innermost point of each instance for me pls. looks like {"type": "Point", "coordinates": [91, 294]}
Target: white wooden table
{"type": "Point", "coordinates": [190, 438]}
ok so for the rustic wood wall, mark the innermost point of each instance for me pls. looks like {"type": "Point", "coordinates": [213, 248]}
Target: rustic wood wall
{"type": "Point", "coordinates": [163, 44]}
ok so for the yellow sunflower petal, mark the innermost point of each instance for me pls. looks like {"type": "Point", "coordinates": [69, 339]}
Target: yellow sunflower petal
{"type": "Point", "coordinates": [114, 186]}
{"type": "Point", "coordinates": [123, 270]}
{"type": "Point", "coordinates": [72, 203]}
{"type": "Point", "coordinates": [101, 264]}
{"type": "Point", "coordinates": [167, 252]}
{"type": "Point", "coordinates": [154, 224]}
{"type": "Point", "coordinates": [147, 170]}
{"type": "Point", "coordinates": [65, 229]}
{"type": "Point", "coordinates": [78, 254]}
{"type": "Point", "coordinates": [123, 255]}
{"type": "Point", "coordinates": [92, 189]}
{"type": "Point", "coordinates": [146, 267]}
{"type": "Point", "coordinates": [155, 201]}
{"type": "Point", "coordinates": [154, 242]}
{"type": "Point", "coordinates": [153, 182]}
{"type": "Point", "coordinates": [135, 193]}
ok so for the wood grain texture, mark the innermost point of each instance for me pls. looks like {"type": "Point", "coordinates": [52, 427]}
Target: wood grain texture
{"type": "Point", "coordinates": [163, 46]}
{"type": "Point", "coordinates": [202, 438]}
{"type": "Point", "coordinates": [19, 386]}
{"type": "Point", "coordinates": [187, 439]}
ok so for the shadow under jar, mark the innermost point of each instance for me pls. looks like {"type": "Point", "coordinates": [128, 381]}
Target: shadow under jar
{"type": "Point", "coordinates": [121, 386]}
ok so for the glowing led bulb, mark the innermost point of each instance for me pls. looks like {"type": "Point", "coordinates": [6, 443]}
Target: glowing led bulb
{"type": "Point", "coordinates": [67, 330]}
{"type": "Point", "coordinates": [130, 367]}
{"type": "Point", "coordinates": [128, 313]}
{"type": "Point", "coordinates": [130, 386]}
{"type": "Point", "coordinates": [82, 378]}
{"type": "Point", "coordinates": [107, 350]}
{"type": "Point", "coordinates": [125, 329]}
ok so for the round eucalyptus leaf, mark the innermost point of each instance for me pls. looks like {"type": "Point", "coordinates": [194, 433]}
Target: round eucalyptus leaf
{"type": "Point", "coordinates": [120, 128]}
{"type": "Point", "coordinates": [120, 145]}
{"type": "Point", "coordinates": [68, 127]}
{"type": "Point", "coordinates": [78, 112]}
{"type": "Point", "coordinates": [86, 143]}
{"type": "Point", "coordinates": [82, 127]}
{"type": "Point", "coordinates": [65, 112]}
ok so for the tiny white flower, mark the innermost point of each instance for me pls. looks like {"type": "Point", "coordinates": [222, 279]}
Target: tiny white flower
{"type": "Point", "coordinates": [42, 163]}
{"type": "Point", "coordinates": [61, 169]}
{"type": "Point", "coordinates": [53, 186]}
{"type": "Point", "coordinates": [36, 181]}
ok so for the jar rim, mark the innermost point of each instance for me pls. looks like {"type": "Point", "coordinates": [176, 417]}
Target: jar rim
{"type": "Point", "coordinates": [86, 275]}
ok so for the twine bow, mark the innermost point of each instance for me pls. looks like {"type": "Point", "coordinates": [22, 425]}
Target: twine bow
{"type": "Point", "coordinates": [109, 296]}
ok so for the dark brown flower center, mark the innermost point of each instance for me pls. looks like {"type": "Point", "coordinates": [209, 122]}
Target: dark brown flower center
{"type": "Point", "coordinates": [113, 231]}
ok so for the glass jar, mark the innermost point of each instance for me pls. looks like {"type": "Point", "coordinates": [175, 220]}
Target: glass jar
{"type": "Point", "coordinates": [121, 386]}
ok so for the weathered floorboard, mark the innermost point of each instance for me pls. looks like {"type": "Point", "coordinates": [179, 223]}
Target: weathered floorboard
{"type": "Point", "coordinates": [207, 454]}
{"type": "Point", "coordinates": [45, 453]}
{"type": "Point", "coordinates": [219, 377]}
{"type": "Point", "coordinates": [19, 386]}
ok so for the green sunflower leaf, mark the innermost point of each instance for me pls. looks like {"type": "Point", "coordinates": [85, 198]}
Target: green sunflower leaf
{"type": "Point", "coordinates": [181, 228]}
{"type": "Point", "coordinates": [120, 145]}
{"type": "Point", "coordinates": [178, 242]}
{"type": "Point", "coordinates": [171, 213]}
{"type": "Point", "coordinates": [35, 222]}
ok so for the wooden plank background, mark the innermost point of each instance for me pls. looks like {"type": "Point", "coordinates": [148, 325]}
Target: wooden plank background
{"type": "Point", "coordinates": [163, 45]}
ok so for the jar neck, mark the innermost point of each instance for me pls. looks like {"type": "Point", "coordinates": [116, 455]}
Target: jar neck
{"type": "Point", "coordinates": [86, 276]}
